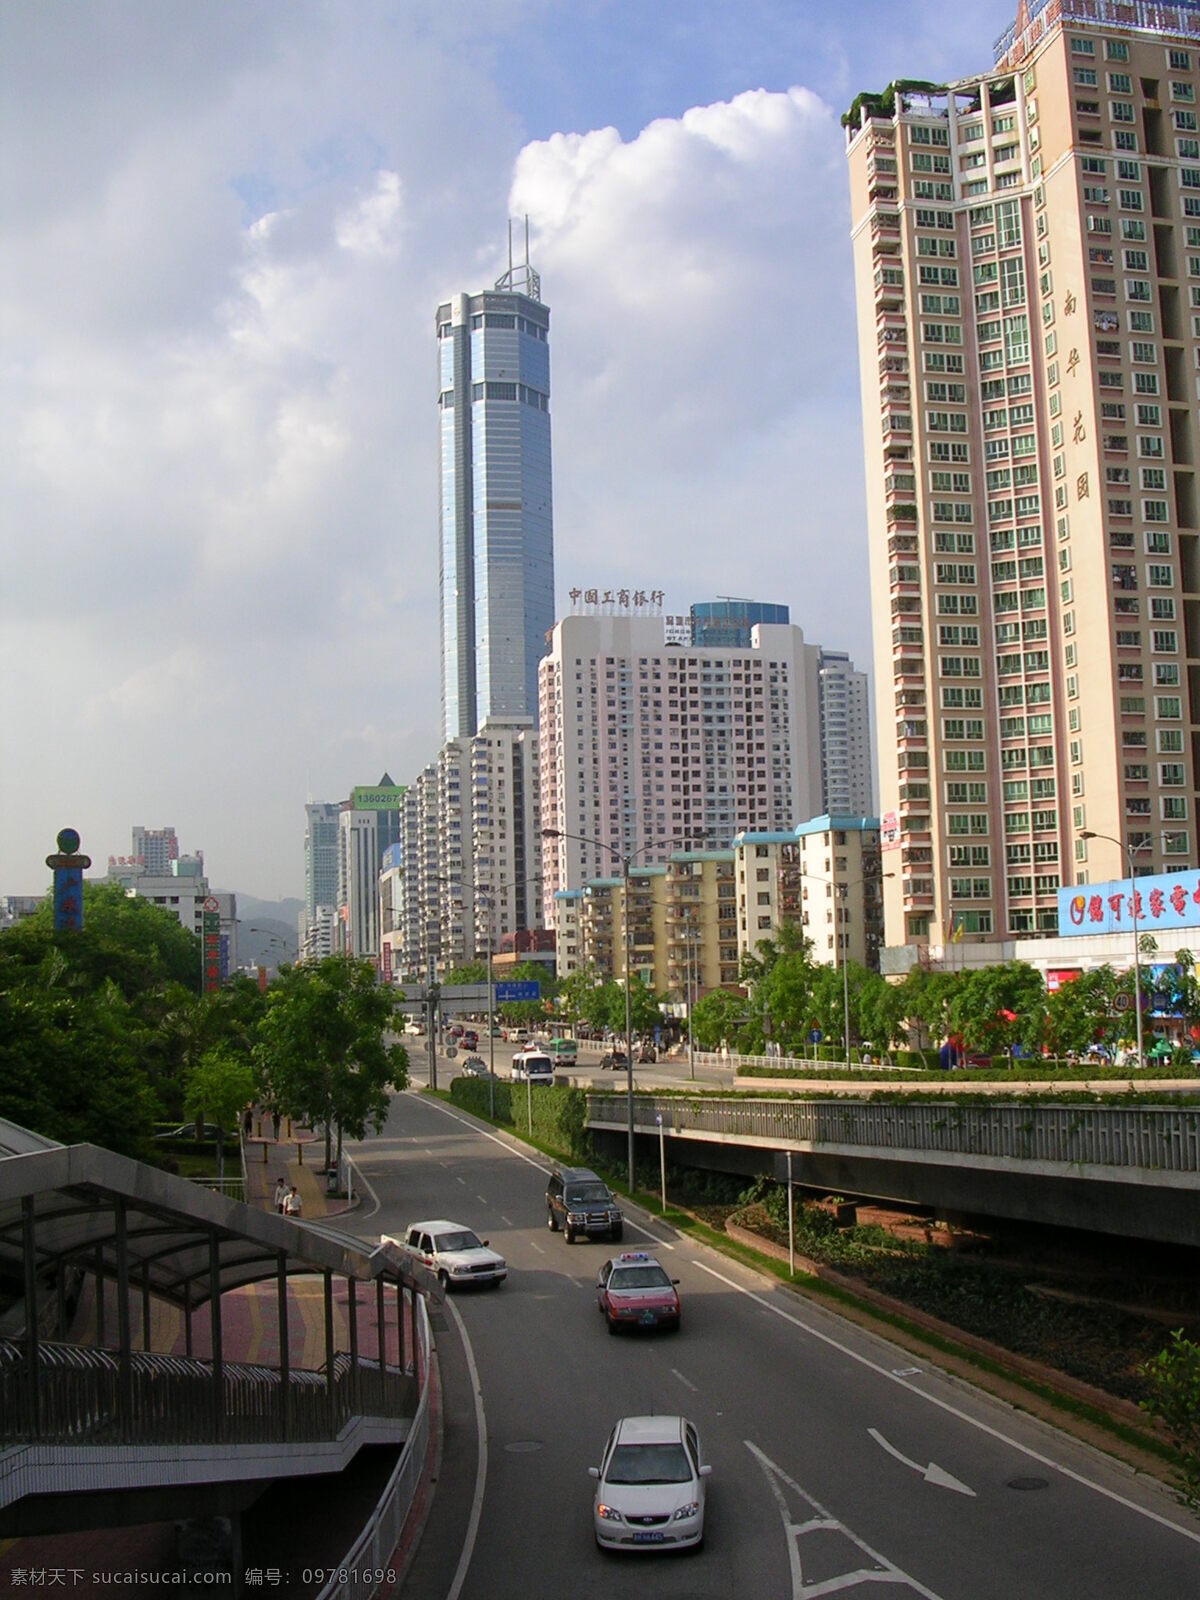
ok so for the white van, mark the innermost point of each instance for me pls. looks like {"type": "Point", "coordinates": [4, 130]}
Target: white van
{"type": "Point", "coordinates": [533, 1066]}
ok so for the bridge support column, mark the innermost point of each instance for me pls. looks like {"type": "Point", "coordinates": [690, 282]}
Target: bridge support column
{"type": "Point", "coordinates": [99, 1270]}
{"type": "Point", "coordinates": [187, 1318]}
{"type": "Point", "coordinates": [413, 1334]}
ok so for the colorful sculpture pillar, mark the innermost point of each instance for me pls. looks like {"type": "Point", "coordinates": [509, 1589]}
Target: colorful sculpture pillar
{"type": "Point", "coordinates": [68, 865]}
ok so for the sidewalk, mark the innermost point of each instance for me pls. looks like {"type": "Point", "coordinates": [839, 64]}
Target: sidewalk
{"type": "Point", "coordinates": [297, 1156]}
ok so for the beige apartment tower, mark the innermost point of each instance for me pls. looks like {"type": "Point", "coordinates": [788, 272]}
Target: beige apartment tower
{"type": "Point", "coordinates": [1027, 266]}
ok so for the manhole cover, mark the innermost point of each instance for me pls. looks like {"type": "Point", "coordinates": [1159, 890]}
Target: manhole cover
{"type": "Point", "coordinates": [522, 1447]}
{"type": "Point", "coordinates": [1029, 1483]}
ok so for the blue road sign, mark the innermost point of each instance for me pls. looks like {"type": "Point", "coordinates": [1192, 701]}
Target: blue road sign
{"type": "Point", "coordinates": [518, 991]}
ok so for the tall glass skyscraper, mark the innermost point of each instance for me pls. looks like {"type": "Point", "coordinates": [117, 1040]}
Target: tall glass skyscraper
{"type": "Point", "coordinates": [495, 516]}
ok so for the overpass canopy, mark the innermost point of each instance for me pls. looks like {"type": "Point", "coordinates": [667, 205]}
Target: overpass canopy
{"type": "Point", "coordinates": [69, 1204]}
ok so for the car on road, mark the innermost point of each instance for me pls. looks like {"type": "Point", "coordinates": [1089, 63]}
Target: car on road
{"type": "Point", "coordinates": [534, 1066]}
{"type": "Point", "coordinates": [207, 1132]}
{"type": "Point", "coordinates": [581, 1203]}
{"type": "Point", "coordinates": [614, 1060]}
{"type": "Point", "coordinates": [455, 1253]}
{"type": "Point", "coordinates": [470, 1039]}
{"type": "Point", "coordinates": [475, 1067]}
{"type": "Point", "coordinates": [650, 1486]}
{"type": "Point", "coordinates": [564, 1049]}
{"type": "Point", "coordinates": [634, 1290]}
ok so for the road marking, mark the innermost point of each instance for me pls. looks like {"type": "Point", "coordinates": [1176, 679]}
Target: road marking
{"type": "Point", "coordinates": [952, 1410]}
{"type": "Point", "coordinates": [482, 1201]}
{"type": "Point", "coordinates": [463, 1181]}
{"type": "Point", "coordinates": [932, 1473]}
{"type": "Point", "coordinates": [508, 1221]}
{"type": "Point", "coordinates": [464, 1560]}
{"type": "Point", "coordinates": [686, 1382]}
{"type": "Point", "coordinates": [537, 1247]}
{"type": "Point", "coordinates": [883, 1570]}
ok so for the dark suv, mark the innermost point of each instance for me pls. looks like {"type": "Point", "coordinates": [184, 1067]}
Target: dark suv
{"type": "Point", "coordinates": [579, 1202]}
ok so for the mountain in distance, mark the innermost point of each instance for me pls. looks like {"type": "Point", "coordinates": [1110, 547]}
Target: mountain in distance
{"type": "Point", "coordinates": [267, 930]}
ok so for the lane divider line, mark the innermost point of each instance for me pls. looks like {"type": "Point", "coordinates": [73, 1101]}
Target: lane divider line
{"type": "Point", "coordinates": [468, 1549]}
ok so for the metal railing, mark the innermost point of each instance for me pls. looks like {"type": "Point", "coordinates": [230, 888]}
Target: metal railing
{"type": "Point", "coordinates": [365, 1568]}
{"type": "Point", "coordinates": [173, 1400]}
{"type": "Point", "coordinates": [1162, 1139]}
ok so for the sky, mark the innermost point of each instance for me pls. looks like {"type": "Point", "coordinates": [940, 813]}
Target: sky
{"type": "Point", "coordinates": [224, 233]}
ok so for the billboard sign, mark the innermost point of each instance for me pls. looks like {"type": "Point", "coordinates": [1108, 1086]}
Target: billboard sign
{"type": "Point", "coordinates": [889, 831]}
{"type": "Point", "coordinates": [1167, 902]}
{"type": "Point", "coordinates": [210, 937]}
{"type": "Point", "coordinates": [387, 798]}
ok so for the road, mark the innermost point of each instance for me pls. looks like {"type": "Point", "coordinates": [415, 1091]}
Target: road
{"type": "Point", "coordinates": [839, 1463]}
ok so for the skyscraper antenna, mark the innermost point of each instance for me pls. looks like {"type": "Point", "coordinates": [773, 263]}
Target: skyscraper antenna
{"type": "Point", "coordinates": [520, 279]}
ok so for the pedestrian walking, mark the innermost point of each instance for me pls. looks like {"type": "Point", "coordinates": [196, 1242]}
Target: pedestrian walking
{"type": "Point", "coordinates": [248, 1121]}
{"type": "Point", "coordinates": [275, 1126]}
{"type": "Point", "coordinates": [281, 1194]}
{"type": "Point", "coordinates": [293, 1205]}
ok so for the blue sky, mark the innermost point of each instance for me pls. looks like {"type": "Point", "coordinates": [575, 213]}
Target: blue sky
{"type": "Point", "coordinates": [224, 230]}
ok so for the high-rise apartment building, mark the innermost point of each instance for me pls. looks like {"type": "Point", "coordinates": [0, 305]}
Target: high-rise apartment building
{"type": "Point", "coordinates": [495, 512]}
{"type": "Point", "coordinates": [320, 858]}
{"type": "Point", "coordinates": [847, 786]}
{"type": "Point", "coordinates": [155, 849]}
{"type": "Point", "coordinates": [649, 748]}
{"type": "Point", "coordinates": [472, 851]}
{"type": "Point", "coordinates": [1027, 262]}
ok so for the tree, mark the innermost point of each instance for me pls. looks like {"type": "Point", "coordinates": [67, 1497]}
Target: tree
{"type": "Point", "coordinates": [219, 1088]}
{"type": "Point", "coordinates": [1082, 1012]}
{"type": "Point", "coordinates": [998, 1007]}
{"type": "Point", "coordinates": [576, 990]}
{"type": "Point", "coordinates": [881, 1010]}
{"type": "Point", "coordinates": [322, 1054]}
{"type": "Point", "coordinates": [137, 944]}
{"type": "Point", "coordinates": [469, 972]}
{"type": "Point", "coordinates": [717, 1017]}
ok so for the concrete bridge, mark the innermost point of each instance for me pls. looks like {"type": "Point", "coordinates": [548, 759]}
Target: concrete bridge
{"type": "Point", "coordinates": [1132, 1170]}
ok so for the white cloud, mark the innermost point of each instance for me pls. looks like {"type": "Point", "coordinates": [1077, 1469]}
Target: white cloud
{"type": "Point", "coordinates": [703, 355]}
{"type": "Point", "coordinates": [372, 226]}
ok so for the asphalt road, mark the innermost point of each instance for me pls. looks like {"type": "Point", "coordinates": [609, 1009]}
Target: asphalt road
{"type": "Point", "coordinates": [838, 1463]}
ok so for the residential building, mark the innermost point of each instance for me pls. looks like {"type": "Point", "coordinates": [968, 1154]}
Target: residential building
{"type": "Point", "coordinates": [649, 748]}
{"type": "Point", "coordinates": [369, 822]}
{"type": "Point", "coordinates": [316, 938]}
{"type": "Point", "coordinates": [1027, 262]}
{"type": "Point", "coordinates": [847, 783]}
{"type": "Point", "coordinates": [568, 931]}
{"type": "Point", "coordinates": [155, 849]}
{"type": "Point", "coordinates": [822, 878]}
{"type": "Point", "coordinates": [495, 511]}
{"type": "Point", "coordinates": [473, 849]}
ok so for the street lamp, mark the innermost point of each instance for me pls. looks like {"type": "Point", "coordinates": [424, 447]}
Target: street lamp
{"type": "Point", "coordinates": [626, 860]}
{"type": "Point", "coordinates": [1127, 851]}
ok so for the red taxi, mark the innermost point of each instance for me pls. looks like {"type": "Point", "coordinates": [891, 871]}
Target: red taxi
{"type": "Point", "coordinates": [634, 1291]}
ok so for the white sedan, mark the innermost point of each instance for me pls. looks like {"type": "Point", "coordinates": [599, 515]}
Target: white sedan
{"type": "Point", "coordinates": [650, 1486]}
{"type": "Point", "coordinates": [456, 1254]}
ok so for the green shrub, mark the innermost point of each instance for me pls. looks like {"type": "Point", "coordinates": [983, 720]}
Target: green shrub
{"type": "Point", "coordinates": [1173, 1376]}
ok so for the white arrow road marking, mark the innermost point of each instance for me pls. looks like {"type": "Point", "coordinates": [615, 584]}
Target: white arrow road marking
{"type": "Point", "coordinates": [932, 1473]}
{"type": "Point", "coordinates": [881, 1570]}
{"type": "Point", "coordinates": [954, 1411]}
